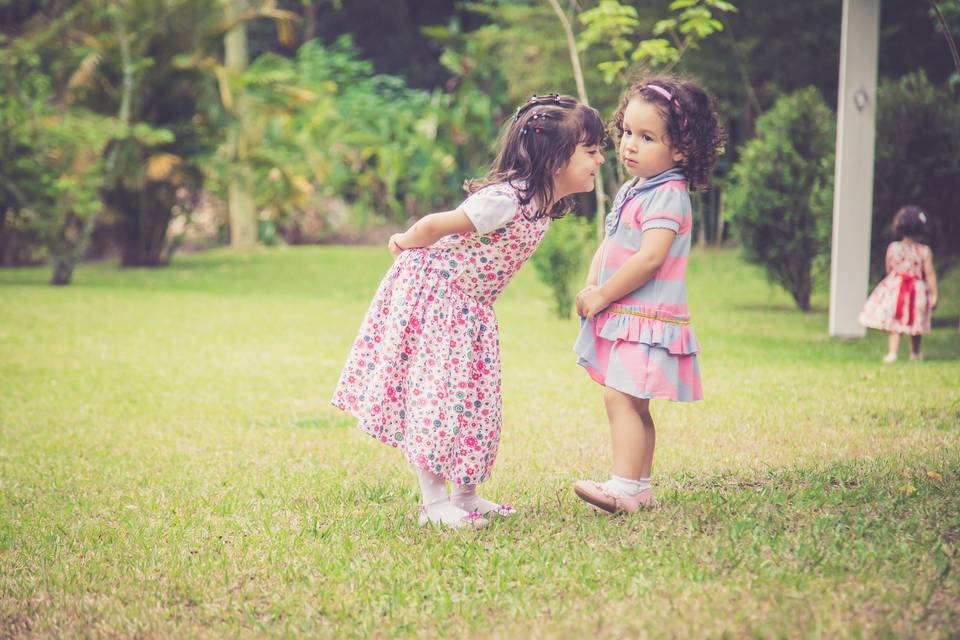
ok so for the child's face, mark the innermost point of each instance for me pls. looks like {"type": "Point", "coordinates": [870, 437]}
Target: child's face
{"type": "Point", "coordinates": [580, 171]}
{"type": "Point", "coordinates": [645, 149]}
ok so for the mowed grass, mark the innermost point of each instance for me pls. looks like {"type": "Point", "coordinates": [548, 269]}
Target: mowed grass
{"type": "Point", "coordinates": [170, 466]}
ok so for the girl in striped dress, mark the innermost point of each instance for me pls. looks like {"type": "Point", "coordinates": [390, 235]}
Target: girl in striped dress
{"type": "Point", "coordinates": [636, 339]}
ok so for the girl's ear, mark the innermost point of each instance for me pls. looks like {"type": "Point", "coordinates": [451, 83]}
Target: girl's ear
{"type": "Point", "coordinates": [678, 157]}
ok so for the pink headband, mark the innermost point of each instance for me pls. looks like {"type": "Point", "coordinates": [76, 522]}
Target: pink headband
{"type": "Point", "coordinates": [666, 94]}
{"type": "Point", "coordinates": [669, 96]}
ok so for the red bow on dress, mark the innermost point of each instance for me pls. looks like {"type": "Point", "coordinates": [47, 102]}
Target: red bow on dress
{"type": "Point", "coordinates": [907, 296]}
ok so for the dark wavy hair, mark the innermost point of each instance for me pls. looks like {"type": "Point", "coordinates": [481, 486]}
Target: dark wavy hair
{"type": "Point", "coordinates": [537, 141]}
{"type": "Point", "coordinates": [910, 220]}
{"type": "Point", "coordinates": [693, 127]}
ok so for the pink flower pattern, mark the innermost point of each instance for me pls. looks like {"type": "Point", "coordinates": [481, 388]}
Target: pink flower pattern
{"type": "Point", "coordinates": [423, 374]}
{"type": "Point", "coordinates": [880, 309]}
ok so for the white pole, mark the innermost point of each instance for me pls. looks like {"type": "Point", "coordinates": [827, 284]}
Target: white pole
{"type": "Point", "coordinates": [853, 178]}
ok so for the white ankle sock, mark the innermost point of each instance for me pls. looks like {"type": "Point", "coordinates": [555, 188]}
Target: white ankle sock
{"type": "Point", "coordinates": [465, 496]}
{"type": "Point", "coordinates": [627, 486]}
{"type": "Point", "coordinates": [432, 486]}
{"type": "Point", "coordinates": [436, 500]}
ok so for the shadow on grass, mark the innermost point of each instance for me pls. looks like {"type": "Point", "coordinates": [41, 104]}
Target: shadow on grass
{"type": "Point", "coordinates": [25, 277]}
{"type": "Point", "coordinates": [937, 357]}
{"type": "Point", "coordinates": [309, 422]}
{"type": "Point", "coordinates": [778, 308]}
{"type": "Point", "coordinates": [853, 482]}
{"type": "Point", "coordinates": [951, 322]}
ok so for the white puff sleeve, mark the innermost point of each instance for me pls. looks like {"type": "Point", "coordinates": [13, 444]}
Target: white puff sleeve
{"type": "Point", "coordinates": [490, 208]}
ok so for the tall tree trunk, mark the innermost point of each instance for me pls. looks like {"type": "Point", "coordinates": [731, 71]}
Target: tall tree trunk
{"type": "Point", "coordinates": [64, 257]}
{"type": "Point", "coordinates": [62, 272]}
{"type": "Point", "coordinates": [243, 223]}
{"type": "Point", "coordinates": [718, 241]}
{"type": "Point", "coordinates": [73, 237]}
{"type": "Point", "coordinates": [128, 202]}
{"type": "Point", "coordinates": [145, 234]}
{"type": "Point", "coordinates": [582, 91]}
{"type": "Point", "coordinates": [310, 29]}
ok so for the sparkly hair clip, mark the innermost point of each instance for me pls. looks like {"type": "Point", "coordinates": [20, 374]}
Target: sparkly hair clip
{"type": "Point", "coordinates": [923, 217]}
{"type": "Point", "coordinates": [537, 128]}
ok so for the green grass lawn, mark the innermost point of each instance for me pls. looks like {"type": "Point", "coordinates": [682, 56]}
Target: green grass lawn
{"type": "Point", "coordinates": [170, 466]}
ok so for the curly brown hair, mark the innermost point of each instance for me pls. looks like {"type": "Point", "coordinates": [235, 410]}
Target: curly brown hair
{"type": "Point", "coordinates": [910, 220]}
{"type": "Point", "coordinates": [540, 138]}
{"type": "Point", "coordinates": [693, 127]}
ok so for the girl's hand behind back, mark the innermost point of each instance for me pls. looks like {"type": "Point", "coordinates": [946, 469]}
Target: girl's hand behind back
{"type": "Point", "coordinates": [392, 245]}
{"type": "Point", "coordinates": [579, 298]}
{"type": "Point", "coordinates": [590, 302]}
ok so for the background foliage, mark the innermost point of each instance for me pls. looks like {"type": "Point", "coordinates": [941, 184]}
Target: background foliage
{"type": "Point", "coordinates": [917, 163]}
{"type": "Point", "coordinates": [558, 259]}
{"type": "Point", "coordinates": [782, 193]}
{"type": "Point", "coordinates": [362, 115]}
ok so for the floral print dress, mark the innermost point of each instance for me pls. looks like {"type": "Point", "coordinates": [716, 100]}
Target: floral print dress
{"type": "Point", "coordinates": [900, 303]}
{"type": "Point", "coordinates": [423, 374]}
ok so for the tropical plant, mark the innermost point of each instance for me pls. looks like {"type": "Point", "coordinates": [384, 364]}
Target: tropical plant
{"type": "Point", "coordinates": [51, 151]}
{"type": "Point", "coordinates": [324, 124]}
{"type": "Point", "coordinates": [132, 47]}
{"type": "Point", "coordinates": [51, 170]}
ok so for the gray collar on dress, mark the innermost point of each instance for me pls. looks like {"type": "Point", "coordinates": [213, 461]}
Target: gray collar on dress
{"type": "Point", "coordinates": [634, 188]}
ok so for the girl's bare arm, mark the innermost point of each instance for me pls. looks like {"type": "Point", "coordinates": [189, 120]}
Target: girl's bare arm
{"type": "Point", "coordinates": [930, 275]}
{"type": "Point", "coordinates": [430, 228]}
{"type": "Point", "coordinates": [640, 267]}
{"type": "Point", "coordinates": [593, 275]}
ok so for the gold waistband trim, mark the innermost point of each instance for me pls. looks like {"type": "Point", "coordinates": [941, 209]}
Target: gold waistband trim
{"type": "Point", "coordinates": [652, 316]}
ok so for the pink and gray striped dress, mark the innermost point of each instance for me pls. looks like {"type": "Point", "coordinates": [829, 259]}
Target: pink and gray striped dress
{"type": "Point", "coordinates": [643, 344]}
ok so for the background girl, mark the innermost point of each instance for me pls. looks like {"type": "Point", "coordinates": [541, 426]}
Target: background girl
{"type": "Point", "coordinates": [637, 340]}
{"type": "Point", "coordinates": [424, 372]}
{"type": "Point", "coordinates": [904, 300]}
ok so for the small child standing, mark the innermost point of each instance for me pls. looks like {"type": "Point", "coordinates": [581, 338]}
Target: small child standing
{"type": "Point", "coordinates": [636, 339]}
{"type": "Point", "coordinates": [904, 300]}
{"type": "Point", "coordinates": [424, 372]}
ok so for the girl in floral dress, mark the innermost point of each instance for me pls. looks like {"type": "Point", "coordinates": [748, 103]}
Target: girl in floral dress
{"type": "Point", "coordinates": [423, 374]}
{"type": "Point", "coordinates": [636, 340]}
{"type": "Point", "coordinates": [904, 300]}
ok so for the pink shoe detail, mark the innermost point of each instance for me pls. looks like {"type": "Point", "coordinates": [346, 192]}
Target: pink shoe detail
{"type": "Point", "coordinates": [472, 520]}
{"type": "Point", "coordinates": [611, 501]}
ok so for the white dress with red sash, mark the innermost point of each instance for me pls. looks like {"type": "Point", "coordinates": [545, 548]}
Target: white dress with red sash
{"type": "Point", "coordinates": [900, 301]}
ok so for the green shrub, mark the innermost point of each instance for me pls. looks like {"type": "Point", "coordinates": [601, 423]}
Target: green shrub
{"type": "Point", "coordinates": [51, 164]}
{"type": "Point", "coordinates": [559, 258]}
{"type": "Point", "coordinates": [918, 135]}
{"type": "Point", "coordinates": [782, 191]}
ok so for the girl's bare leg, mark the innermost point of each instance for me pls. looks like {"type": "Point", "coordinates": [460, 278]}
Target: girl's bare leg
{"type": "Point", "coordinates": [893, 345]}
{"type": "Point", "coordinates": [915, 346]}
{"type": "Point", "coordinates": [632, 433]}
